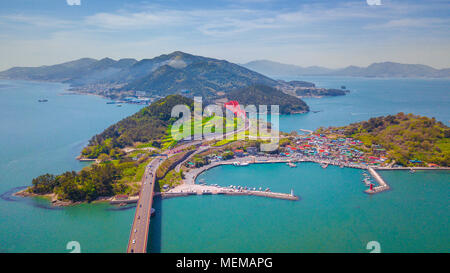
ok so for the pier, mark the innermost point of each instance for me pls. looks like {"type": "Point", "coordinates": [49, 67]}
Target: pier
{"type": "Point", "coordinates": [383, 186]}
{"type": "Point", "coordinates": [195, 189]}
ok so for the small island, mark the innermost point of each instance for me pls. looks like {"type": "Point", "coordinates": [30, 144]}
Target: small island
{"type": "Point", "coordinates": [123, 151]}
{"type": "Point", "coordinates": [404, 139]}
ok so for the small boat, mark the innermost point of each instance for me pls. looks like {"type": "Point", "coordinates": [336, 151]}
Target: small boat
{"type": "Point", "coordinates": [43, 100]}
{"type": "Point", "coordinates": [240, 164]}
{"type": "Point", "coordinates": [292, 165]}
{"type": "Point", "coordinates": [119, 105]}
{"type": "Point", "coordinates": [412, 170]}
{"type": "Point", "coordinates": [324, 166]}
{"type": "Point", "coordinates": [152, 212]}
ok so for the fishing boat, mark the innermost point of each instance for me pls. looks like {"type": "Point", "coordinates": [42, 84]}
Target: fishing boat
{"type": "Point", "coordinates": [43, 100]}
{"type": "Point", "coordinates": [324, 165]}
{"type": "Point", "coordinates": [240, 164]}
{"type": "Point", "coordinates": [412, 170]}
{"type": "Point", "coordinates": [152, 212]}
{"type": "Point", "coordinates": [292, 165]}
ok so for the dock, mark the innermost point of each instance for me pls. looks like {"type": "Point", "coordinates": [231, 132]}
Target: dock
{"type": "Point", "coordinates": [195, 189]}
{"type": "Point", "coordinates": [383, 186]}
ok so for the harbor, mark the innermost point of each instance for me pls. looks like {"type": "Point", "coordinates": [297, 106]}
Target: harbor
{"type": "Point", "coordinates": [196, 189]}
{"type": "Point", "coordinates": [190, 187]}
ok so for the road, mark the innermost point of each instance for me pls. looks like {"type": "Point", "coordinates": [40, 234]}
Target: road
{"type": "Point", "coordinates": [137, 242]}
{"type": "Point", "coordinates": [141, 223]}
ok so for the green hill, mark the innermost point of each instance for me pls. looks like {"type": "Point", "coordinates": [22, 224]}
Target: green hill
{"type": "Point", "coordinates": [407, 138]}
{"type": "Point", "coordinates": [150, 123]}
{"type": "Point", "coordinates": [266, 95]}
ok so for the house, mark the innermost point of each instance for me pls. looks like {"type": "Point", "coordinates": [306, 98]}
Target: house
{"type": "Point", "coordinates": [252, 150]}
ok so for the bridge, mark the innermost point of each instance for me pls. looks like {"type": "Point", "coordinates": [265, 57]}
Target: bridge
{"type": "Point", "coordinates": [137, 242]}
{"type": "Point", "coordinates": [141, 223]}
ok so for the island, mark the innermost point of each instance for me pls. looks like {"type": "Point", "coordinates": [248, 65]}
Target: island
{"type": "Point", "coordinates": [404, 139]}
{"type": "Point", "coordinates": [124, 150]}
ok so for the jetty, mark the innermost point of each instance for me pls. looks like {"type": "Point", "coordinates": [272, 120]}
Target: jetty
{"type": "Point", "coordinates": [383, 186]}
{"type": "Point", "coordinates": [195, 189]}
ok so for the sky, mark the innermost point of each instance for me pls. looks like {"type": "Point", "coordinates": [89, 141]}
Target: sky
{"type": "Point", "coordinates": [306, 33]}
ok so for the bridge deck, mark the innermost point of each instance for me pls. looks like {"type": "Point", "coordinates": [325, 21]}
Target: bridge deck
{"type": "Point", "coordinates": [141, 223]}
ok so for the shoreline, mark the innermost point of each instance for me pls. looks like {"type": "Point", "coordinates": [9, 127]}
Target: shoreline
{"type": "Point", "coordinates": [52, 198]}
{"type": "Point", "coordinates": [190, 187]}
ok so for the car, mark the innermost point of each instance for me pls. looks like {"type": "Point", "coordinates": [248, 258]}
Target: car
{"type": "Point", "coordinates": [135, 230]}
{"type": "Point", "coordinates": [134, 241]}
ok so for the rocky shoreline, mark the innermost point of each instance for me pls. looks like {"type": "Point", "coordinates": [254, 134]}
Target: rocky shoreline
{"type": "Point", "coordinates": [53, 198]}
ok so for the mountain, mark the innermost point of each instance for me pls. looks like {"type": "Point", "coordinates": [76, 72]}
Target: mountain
{"type": "Point", "coordinates": [77, 73]}
{"type": "Point", "coordinates": [195, 76]}
{"type": "Point", "coordinates": [266, 95]}
{"type": "Point", "coordinates": [384, 69]}
{"type": "Point", "coordinates": [391, 69]}
{"type": "Point", "coordinates": [173, 73]}
{"type": "Point", "coordinates": [274, 69]}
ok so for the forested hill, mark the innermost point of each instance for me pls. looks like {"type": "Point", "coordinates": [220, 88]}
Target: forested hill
{"type": "Point", "coordinates": [408, 139]}
{"type": "Point", "coordinates": [266, 95]}
{"type": "Point", "coordinates": [150, 123]}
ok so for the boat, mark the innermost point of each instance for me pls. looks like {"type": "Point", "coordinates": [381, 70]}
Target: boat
{"type": "Point", "coordinates": [43, 100]}
{"type": "Point", "coordinates": [292, 165]}
{"type": "Point", "coordinates": [152, 212]}
{"type": "Point", "coordinates": [412, 170]}
{"type": "Point", "coordinates": [119, 105]}
{"type": "Point", "coordinates": [240, 164]}
{"type": "Point", "coordinates": [324, 165]}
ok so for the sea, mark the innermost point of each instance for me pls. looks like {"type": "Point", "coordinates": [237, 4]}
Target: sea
{"type": "Point", "coordinates": [332, 215]}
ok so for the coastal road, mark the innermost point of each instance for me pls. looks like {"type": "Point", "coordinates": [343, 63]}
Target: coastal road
{"type": "Point", "coordinates": [137, 242]}
{"type": "Point", "coordinates": [141, 223]}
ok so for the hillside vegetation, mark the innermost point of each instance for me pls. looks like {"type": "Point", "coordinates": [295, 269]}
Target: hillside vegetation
{"type": "Point", "coordinates": [149, 124]}
{"type": "Point", "coordinates": [407, 138]}
{"type": "Point", "coordinates": [266, 95]}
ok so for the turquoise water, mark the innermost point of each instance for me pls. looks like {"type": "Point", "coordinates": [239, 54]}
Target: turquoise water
{"type": "Point", "coordinates": [371, 98]}
{"type": "Point", "coordinates": [333, 215]}
{"type": "Point", "coordinates": [45, 137]}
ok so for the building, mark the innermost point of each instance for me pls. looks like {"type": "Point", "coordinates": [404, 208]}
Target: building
{"type": "Point", "coordinates": [252, 150]}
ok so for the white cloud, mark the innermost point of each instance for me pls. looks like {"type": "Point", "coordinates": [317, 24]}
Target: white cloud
{"type": "Point", "coordinates": [73, 2]}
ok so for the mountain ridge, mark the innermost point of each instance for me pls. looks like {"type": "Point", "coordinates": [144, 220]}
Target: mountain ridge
{"type": "Point", "coordinates": [378, 69]}
{"type": "Point", "coordinates": [174, 73]}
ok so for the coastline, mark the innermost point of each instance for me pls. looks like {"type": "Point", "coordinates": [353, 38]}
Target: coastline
{"type": "Point", "coordinates": [52, 198]}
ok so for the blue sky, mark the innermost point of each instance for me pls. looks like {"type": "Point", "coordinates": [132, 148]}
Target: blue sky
{"type": "Point", "coordinates": [326, 33]}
